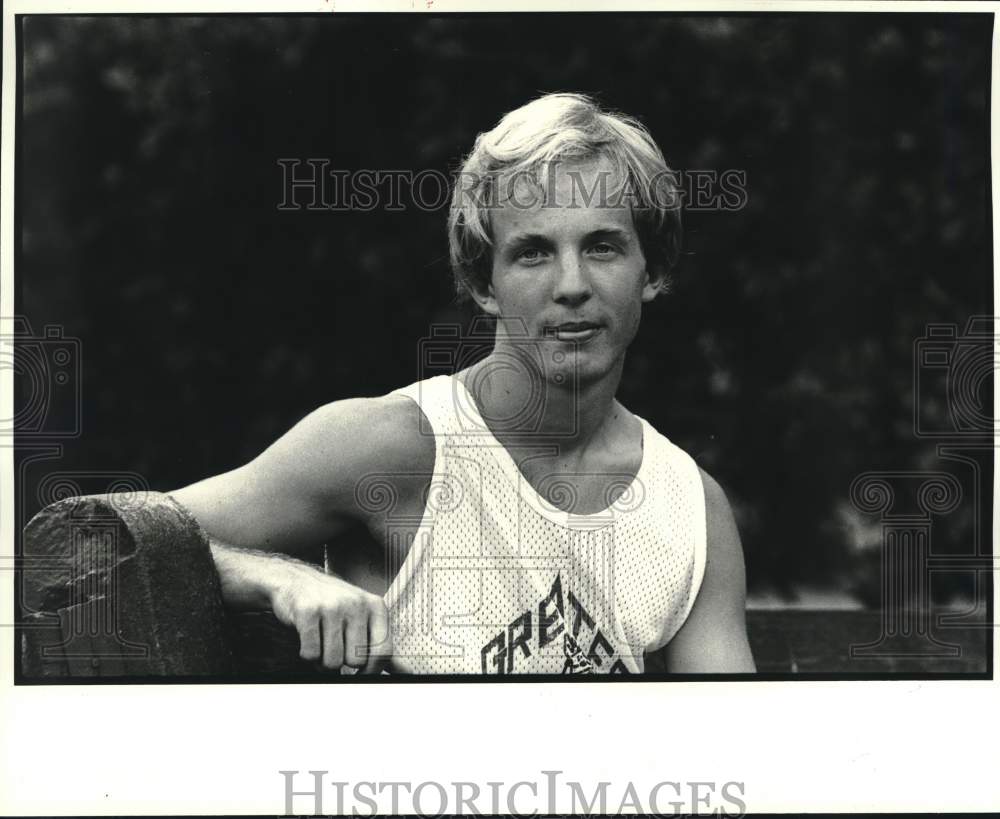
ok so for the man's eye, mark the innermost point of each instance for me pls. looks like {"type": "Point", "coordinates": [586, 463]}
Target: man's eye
{"type": "Point", "coordinates": [604, 249]}
{"type": "Point", "coordinates": [529, 254]}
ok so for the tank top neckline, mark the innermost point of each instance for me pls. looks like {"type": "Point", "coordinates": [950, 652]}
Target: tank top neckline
{"type": "Point", "coordinates": [528, 493]}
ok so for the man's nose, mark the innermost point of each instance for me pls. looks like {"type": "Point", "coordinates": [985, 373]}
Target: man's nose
{"type": "Point", "coordinates": [572, 282]}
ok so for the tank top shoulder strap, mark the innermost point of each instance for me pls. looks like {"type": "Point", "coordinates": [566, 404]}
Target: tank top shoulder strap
{"type": "Point", "coordinates": [665, 454]}
{"type": "Point", "coordinates": [439, 398]}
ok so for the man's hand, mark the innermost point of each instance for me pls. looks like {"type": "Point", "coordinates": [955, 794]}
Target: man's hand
{"type": "Point", "coordinates": [338, 624]}
{"type": "Point", "coordinates": [299, 493]}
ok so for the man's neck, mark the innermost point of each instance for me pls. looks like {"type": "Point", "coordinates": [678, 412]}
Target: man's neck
{"type": "Point", "coordinates": [524, 406]}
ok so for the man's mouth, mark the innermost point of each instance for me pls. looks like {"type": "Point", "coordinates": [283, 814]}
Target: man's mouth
{"type": "Point", "coordinates": [573, 330]}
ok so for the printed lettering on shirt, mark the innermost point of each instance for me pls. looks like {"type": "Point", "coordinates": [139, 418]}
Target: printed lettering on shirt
{"type": "Point", "coordinates": [525, 637]}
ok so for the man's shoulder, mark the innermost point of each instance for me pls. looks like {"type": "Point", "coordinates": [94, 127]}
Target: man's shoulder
{"type": "Point", "coordinates": [721, 532]}
{"type": "Point", "coordinates": [715, 496]}
{"type": "Point", "coordinates": [383, 433]}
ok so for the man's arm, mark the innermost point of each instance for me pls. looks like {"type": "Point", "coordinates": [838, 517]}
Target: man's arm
{"type": "Point", "coordinates": [714, 637]}
{"type": "Point", "coordinates": [297, 494]}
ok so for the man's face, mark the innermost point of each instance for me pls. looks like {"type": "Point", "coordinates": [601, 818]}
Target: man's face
{"type": "Point", "coordinates": [569, 271]}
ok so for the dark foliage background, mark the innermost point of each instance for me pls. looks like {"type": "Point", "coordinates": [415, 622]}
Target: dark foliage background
{"type": "Point", "coordinates": [210, 321]}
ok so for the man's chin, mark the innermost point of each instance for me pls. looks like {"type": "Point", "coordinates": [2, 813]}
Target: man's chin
{"type": "Point", "coordinates": [579, 370]}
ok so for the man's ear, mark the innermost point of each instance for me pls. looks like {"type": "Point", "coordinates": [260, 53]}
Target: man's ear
{"type": "Point", "coordinates": [656, 283]}
{"type": "Point", "coordinates": [485, 299]}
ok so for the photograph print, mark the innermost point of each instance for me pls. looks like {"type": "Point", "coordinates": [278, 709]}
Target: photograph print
{"type": "Point", "coordinates": [390, 347]}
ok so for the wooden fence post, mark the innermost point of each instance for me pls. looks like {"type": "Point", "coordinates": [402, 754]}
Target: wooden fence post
{"type": "Point", "coordinates": [120, 585]}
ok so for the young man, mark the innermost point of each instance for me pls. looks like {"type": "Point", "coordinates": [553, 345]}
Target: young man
{"type": "Point", "coordinates": [531, 523]}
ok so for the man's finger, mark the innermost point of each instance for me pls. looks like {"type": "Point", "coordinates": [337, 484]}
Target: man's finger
{"type": "Point", "coordinates": [380, 637]}
{"type": "Point", "coordinates": [333, 642]}
{"type": "Point", "coordinates": [356, 641]}
{"type": "Point", "coordinates": [310, 639]}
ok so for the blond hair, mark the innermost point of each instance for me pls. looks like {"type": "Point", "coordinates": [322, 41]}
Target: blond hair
{"type": "Point", "coordinates": [532, 139]}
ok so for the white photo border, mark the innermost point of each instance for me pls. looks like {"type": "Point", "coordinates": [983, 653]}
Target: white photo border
{"type": "Point", "coordinates": [180, 749]}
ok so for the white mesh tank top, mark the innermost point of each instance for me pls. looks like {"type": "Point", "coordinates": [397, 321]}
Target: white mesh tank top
{"type": "Point", "coordinates": [498, 580]}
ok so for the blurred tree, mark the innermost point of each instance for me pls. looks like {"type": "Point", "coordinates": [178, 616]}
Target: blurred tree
{"type": "Point", "coordinates": [211, 321]}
